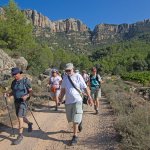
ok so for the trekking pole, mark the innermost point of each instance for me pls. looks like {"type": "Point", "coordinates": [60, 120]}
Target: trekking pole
{"type": "Point", "coordinates": [34, 118]}
{"type": "Point", "coordinates": [5, 98]}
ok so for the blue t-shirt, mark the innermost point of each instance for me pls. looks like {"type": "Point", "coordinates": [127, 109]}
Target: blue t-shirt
{"type": "Point", "coordinates": [20, 88]}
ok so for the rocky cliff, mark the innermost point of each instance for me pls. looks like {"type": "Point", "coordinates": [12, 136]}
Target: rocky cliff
{"type": "Point", "coordinates": [67, 25]}
{"type": "Point", "coordinates": [78, 32]}
{"type": "Point", "coordinates": [103, 33]}
{"type": "Point", "coordinates": [75, 32]}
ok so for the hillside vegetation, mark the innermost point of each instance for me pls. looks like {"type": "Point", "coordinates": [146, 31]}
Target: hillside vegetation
{"type": "Point", "coordinates": [17, 39]}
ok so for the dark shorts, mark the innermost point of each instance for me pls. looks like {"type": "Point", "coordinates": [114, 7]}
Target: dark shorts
{"type": "Point", "coordinates": [21, 109]}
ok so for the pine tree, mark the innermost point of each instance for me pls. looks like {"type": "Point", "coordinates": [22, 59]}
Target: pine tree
{"type": "Point", "coordinates": [15, 31]}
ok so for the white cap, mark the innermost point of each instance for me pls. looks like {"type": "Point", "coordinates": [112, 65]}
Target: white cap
{"type": "Point", "coordinates": [69, 66]}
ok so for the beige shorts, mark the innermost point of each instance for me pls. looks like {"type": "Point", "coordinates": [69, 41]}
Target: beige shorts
{"type": "Point", "coordinates": [74, 112]}
{"type": "Point", "coordinates": [96, 94]}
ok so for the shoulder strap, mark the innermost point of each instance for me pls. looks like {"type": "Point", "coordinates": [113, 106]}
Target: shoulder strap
{"type": "Point", "coordinates": [73, 84]}
{"type": "Point", "coordinates": [25, 84]}
{"type": "Point", "coordinates": [97, 78]}
{"type": "Point", "coordinates": [90, 77]}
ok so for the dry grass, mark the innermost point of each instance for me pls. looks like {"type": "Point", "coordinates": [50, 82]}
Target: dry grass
{"type": "Point", "coordinates": [133, 115]}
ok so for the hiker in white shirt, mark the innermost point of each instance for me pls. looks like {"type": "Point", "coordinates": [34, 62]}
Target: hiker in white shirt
{"type": "Point", "coordinates": [85, 76]}
{"type": "Point", "coordinates": [72, 85]}
{"type": "Point", "coordinates": [54, 83]}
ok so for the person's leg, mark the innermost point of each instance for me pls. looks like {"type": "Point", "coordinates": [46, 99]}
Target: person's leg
{"type": "Point", "coordinates": [19, 113]}
{"type": "Point", "coordinates": [97, 97]}
{"type": "Point", "coordinates": [20, 135]}
{"type": "Point", "coordinates": [29, 124]}
{"type": "Point", "coordinates": [56, 104]}
{"type": "Point", "coordinates": [77, 113]}
{"type": "Point", "coordinates": [93, 97]}
{"type": "Point", "coordinates": [53, 96]}
{"type": "Point", "coordinates": [20, 125]}
{"type": "Point", "coordinates": [56, 98]}
{"type": "Point", "coordinates": [26, 120]}
{"type": "Point", "coordinates": [75, 129]}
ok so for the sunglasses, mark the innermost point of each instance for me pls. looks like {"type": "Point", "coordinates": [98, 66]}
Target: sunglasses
{"type": "Point", "coordinates": [67, 70]}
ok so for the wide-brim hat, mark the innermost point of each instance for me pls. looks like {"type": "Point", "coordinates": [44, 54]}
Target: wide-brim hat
{"type": "Point", "coordinates": [15, 71]}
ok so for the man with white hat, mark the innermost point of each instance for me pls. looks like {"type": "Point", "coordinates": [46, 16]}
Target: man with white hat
{"type": "Point", "coordinates": [72, 85]}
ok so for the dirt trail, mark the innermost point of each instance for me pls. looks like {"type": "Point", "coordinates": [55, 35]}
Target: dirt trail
{"type": "Point", "coordinates": [97, 133]}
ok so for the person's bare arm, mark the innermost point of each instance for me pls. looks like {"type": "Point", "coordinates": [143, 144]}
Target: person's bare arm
{"type": "Point", "coordinates": [25, 97]}
{"type": "Point", "coordinates": [90, 100]}
{"type": "Point", "coordinates": [62, 93]}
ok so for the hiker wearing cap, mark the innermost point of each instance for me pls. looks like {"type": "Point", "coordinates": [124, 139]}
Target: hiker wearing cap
{"type": "Point", "coordinates": [95, 87]}
{"type": "Point", "coordinates": [21, 90]}
{"type": "Point", "coordinates": [54, 83]}
{"type": "Point", "coordinates": [71, 87]}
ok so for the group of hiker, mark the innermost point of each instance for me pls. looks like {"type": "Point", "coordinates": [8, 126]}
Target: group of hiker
{"type": "Point", "coordinates": [70, 88]}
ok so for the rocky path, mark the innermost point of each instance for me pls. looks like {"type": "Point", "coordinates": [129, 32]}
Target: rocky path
{"type": "Point", "coordinates": [55, 134]}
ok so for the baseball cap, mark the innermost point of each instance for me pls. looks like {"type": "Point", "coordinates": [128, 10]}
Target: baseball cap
{"type": "Point", "coordinates": [69, 66]}
{"type": "Point", "coordinates": [54, 70]}
{"type": "Point", "coordinates": [15, 71]}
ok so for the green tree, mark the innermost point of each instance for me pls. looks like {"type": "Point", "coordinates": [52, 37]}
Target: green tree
{"type": "Point", "coordinates": [15, 32]}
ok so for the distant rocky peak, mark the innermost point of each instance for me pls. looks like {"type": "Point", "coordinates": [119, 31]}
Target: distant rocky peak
{"type": "Point", "coordinates": [66, 25]}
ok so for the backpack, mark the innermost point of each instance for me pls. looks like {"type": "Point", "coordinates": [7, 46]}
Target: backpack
{"type": "Point", "coordinates": [25, 86]}
{"type": "Point", "coordinates": [96, 79]}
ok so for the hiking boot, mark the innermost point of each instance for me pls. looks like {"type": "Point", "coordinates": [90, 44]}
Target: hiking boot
{"type": "Point", "coordinates": [74, 140]}
{"type": "Point", "coordinates": [96, 112]}
{"type": "Point", "coordinates": [18, 140]}
{"type": "Point", "coordinates": [80, 126]}
{"type": "Point", "coordinates": [56, 108]}
{"type": "Point", "coordinates": [30, 127]}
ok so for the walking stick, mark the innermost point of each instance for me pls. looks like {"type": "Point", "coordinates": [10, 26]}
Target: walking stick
{"type": "Point", "coordinates": [5, 98]}
{"type": "Point", "coordinates": [34, 118]}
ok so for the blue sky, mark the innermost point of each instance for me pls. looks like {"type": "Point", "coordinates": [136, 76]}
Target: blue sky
{"type": "Point", "coordinates": [90, 12]}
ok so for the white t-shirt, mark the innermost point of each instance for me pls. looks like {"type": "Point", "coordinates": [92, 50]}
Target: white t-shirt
{"type": "Point", "coordinates": [72, 95]}
{"type": "Point", "coordinates": [54, 81]}
{"type": "Point", "coordinates": [85, 77]}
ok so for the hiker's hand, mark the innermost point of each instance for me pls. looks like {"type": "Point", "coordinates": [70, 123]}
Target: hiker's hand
{"type": "Point", "coordinates": [48, 85]}
{"type": "Point", "coordinates": [25, 97]}
{"type": "Point", "coordinates": [59, 103]}
{"type": "Point", "coordinates": [7, 94]}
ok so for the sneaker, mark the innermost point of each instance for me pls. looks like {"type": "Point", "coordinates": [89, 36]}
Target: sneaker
{"type": "Point", "coordinates": [30, 127]}
{"type": "Point", "coordinates": [74, 140]}
{"type": "Point", "coordinates": [80, 127]}
{"type": "Point", "coordinates": [96, 112]}
{"type": "Point", "coordinates": [18, 140]}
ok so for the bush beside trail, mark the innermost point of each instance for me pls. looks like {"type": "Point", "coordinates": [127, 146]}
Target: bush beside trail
{"type": "Point", "coordinates": [132, 115]}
